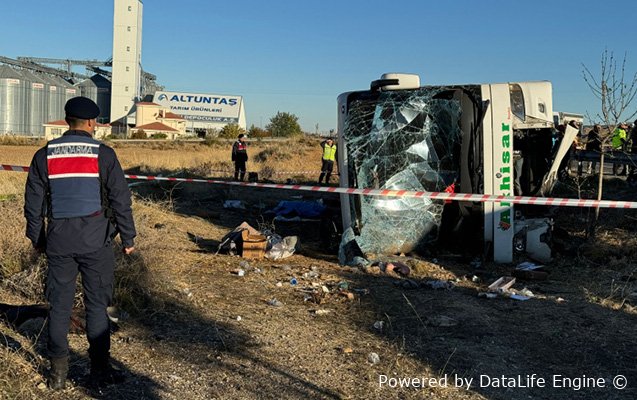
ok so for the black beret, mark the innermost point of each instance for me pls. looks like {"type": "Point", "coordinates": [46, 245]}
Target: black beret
{"type": "Point", "coordinates": [81, 108]}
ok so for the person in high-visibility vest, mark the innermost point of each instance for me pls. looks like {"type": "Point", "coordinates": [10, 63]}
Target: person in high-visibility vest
{"type": "Point", "coordinates": [619, 142]}
{"type": "Point", "coordinates": [329, 157]}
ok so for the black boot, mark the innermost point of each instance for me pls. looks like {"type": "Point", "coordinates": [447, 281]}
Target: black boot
{"type": "Point", "coordinates": [103, 374]}
{"type": "Point", "coordinates": [58, 372]}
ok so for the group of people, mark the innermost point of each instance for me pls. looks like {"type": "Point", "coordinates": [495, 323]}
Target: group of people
{"type": "Point", "coordinates": [623, 139]}
{"type": "Point", "coordinates": [240, 158]}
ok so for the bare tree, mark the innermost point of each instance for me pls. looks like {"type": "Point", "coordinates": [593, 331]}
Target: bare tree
{"type": "Point", "coordinates": [616, 92]}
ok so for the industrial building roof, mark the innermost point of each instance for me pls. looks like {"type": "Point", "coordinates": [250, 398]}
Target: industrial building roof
{"type": "Point", "coordinates": [157, 126]}
{"type": "Point", "coordinates": [170, 115]}
{"type": "Point", "coordinates": [7, 72]}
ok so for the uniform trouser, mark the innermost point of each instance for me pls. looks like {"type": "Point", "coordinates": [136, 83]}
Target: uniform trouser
{"type": "Point", "coordinates": [239, 170]}
{"type": "Point", "coordinates": [326, 171]}
{"type": "Point", "coordinates": [97, 270]}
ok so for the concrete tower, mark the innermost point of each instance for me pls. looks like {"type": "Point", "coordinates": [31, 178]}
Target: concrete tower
{"type": "Point", "coordinates": [127, 57]}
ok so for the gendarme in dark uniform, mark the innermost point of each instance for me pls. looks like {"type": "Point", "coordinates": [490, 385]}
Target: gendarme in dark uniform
{"type": "Point", "coordinates": [76, 201]}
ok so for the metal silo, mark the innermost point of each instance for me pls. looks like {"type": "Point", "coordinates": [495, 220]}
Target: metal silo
{"type": "Point", "coordinates": [88, 88]}
{"type": "Point", "coordinates": [12, 102]}
{"type": "Point", "coordinates": [38, 92]}
{"type": "Point", "coordinates": [56, 99]}
{"type": "Point", "coordinates": [103, 97]}
{"type": "Point", "coordinates": [62, 85]}
{"type": "Point", "coordinates": [70, 91]}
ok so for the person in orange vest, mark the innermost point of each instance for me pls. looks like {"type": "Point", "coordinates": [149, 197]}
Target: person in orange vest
{"type": "Point", "coordinates": [329, 157]}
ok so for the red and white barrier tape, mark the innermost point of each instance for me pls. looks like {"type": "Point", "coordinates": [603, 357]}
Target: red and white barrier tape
{"type": "Point", "coordinates": [483, 198]}
{"type": "Point", "coordinates": [227, 171]}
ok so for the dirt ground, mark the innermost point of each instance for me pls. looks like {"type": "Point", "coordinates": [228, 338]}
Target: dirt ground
{"type": "Point", "coordinates": [195, 329]}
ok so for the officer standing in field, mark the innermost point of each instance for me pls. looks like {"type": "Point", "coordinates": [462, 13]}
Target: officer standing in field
{"type": "Point", "coordinates": [76, 201]}
{"type": "Point", "coordinates": [329, 157]}
{"type": "Point", "coordinates": [240, 157]}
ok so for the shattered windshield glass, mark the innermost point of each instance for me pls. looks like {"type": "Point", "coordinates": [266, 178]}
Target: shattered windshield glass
{"type": "Point", "coordinates": [401, 140]}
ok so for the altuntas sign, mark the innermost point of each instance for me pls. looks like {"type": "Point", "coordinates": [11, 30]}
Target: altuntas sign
{"type": "Point", "coordinates": [196, 107]}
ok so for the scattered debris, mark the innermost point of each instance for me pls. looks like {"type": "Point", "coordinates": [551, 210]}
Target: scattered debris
{"type": "Point", "coordinates": [487, 295]}
{"type": "Point", "coordinates": [349, 253]}
{"type": "Point", "coordinates": [321, 312]}
{"type": "Point", "coordinates": [236, 204]}
{"type": "Point", "coordinates": [348, 350]}
{"type": "Point", "coordinates": [238, 318]}
{"type": "Point", "coordinates": [502, 287]}
{"type": "Point", "coordinates": [439, 284]}
{"type": "Point", "coordinates": [298, 210]}
{"type": "Point", "coordinates": [516, 296]}
{"type": "Point", "coordinates": [473, 278]}
{"type": "Point", "coordinates": [244, 264]}
{"type": "Point", "coordinates": [397, 267]}
{"type": "Point", "coordinates": [115, 315]}
{"type": "Point", "coordinates": [502, 284]}
{"type": "Point", "coordinates": [275, 303]}
{"type": "Point", "coordinates": [311, 275]}
{"type": "Point", "coordinates": [238, 272]}
{"type": "Point", "coordinates": [379, 325]}
{"type": "Point", "coordinates": [348, 295]}
{"type": "Point", "coordinates": [325, 289]}
{"type": "Point", "coordinates": [373, 358]}
{"type": "Point", "coordinates": [253, 245]}
{"type": "Point", "coordinates": [526, 292]}
{"type": "Point", "coordinates": [407, 284]}
{"type": "Point", "coordinates": [232, 242]}
{"type": "Point", "coordinates": [279, 284]}
{"type": "Point", "coordinates": [282, 248]}
{"type": "Point", "coordinates": [293, 281]}
{"type": "Point", "coordinates": [528, 266]}
{"type": "Point", "coordinates": [560, 300]}
{"type": "Point", "coordinates": [530, 271]}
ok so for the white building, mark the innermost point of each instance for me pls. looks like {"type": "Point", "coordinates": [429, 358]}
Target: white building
{"type": "Point", "coordinates": [127, 57]}
{"type": "Point", "coordinates": [55, 129]}
{"type": "Point", "coordinates": [154, 119]}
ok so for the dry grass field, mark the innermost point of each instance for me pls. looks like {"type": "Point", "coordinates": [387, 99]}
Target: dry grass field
{"type": "Point", "coordinates": [195, 329]}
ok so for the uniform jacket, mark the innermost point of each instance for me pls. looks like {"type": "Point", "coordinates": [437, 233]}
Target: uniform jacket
{"type": "Point", "coordinates": [239, 151]}
{"type": "Point", "coordinates": [51, 223]}
{"type": "Point", "coordinates": [329, 152]}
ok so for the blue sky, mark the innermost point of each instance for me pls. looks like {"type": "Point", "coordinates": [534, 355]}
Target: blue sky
{"type": "Point", "coordinates": [297, 56]}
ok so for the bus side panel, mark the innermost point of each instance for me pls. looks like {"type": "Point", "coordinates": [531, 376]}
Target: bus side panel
{"type": "Point", "coordinates": [502, 172]}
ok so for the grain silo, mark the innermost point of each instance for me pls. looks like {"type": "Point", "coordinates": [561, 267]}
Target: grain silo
{"type": "Point", "coordinates": [38, 100]}
{"type": "Point", "coordinates": [70, 91]}
{"type": "Point", "coordinates": [12, 101]}
{"type": "Point", "coordinates": [56, 99]}
{"type": "Point", "coordinates": [98, 89]}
